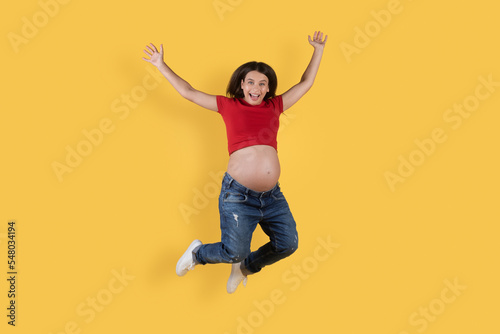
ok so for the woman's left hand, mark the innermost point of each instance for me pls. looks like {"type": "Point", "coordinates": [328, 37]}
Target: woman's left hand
{"type": "Point", "coordinates": [317, 40]}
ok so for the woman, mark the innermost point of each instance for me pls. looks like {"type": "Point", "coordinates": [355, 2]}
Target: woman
{"type": "Point", "coordinates": [250, 193]}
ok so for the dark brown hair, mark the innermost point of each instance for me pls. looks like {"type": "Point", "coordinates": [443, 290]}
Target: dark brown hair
{"type": "Point", "coordinates": [234, 86]}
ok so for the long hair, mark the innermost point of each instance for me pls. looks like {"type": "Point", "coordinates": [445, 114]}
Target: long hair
{"type": "Point", "coordinates": [234, 86]}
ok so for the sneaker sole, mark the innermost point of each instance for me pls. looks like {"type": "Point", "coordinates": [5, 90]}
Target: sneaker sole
{"type": "Point", "coordinates": [187, 253]}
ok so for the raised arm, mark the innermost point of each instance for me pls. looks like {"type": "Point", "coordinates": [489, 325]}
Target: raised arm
{"type": "Point", "coordinates": [294, 94]}
{"type": "Point", "coordinates": [182, 86]}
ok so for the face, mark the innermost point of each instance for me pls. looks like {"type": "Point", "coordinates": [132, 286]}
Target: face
{"type": "Point", "coordinates": [255, 86]}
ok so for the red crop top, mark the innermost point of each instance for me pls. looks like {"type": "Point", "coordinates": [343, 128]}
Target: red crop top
{"type": "Point", "coordinates": [248, 125]}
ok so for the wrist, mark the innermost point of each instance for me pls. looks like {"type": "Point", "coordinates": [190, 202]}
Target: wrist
{"type": "Point", "coordinates": [161, 65]}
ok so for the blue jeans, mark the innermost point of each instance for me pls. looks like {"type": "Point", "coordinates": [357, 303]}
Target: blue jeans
{"type": "Point", "coordinates": [241, 209]}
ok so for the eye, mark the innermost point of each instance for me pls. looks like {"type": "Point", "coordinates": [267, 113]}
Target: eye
{"type": "Point", "coordinates": [262, 84]}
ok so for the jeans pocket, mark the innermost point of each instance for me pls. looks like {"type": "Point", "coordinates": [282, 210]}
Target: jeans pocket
{"type": "Point", "coordinates": [278, 196]}
{"type": "Point", "coordinates": [234, 198]}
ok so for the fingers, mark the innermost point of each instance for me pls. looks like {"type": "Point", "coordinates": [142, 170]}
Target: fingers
{"type": "Point", "coordinates": [149, 49]}
{"type": "Point", "coordinates": [154, 47]}
{"type": "Point", "coordinates": [318, 37]}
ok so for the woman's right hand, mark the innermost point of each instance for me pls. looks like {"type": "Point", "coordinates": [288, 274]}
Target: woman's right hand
{"type": "Point", "coordinates": [155, 56]}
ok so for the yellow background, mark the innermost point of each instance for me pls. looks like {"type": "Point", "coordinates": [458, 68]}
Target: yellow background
{"type": "Point", "coordinates": [120, 209]}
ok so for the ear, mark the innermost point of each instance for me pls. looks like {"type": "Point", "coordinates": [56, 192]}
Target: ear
{"type": "Point", "coordinates": [242, 82]}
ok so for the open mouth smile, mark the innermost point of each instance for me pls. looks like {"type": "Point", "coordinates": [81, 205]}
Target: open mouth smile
{"type": "Point", "coordinates": [254, 97]}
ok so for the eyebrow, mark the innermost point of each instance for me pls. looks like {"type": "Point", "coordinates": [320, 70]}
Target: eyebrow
{"type": "Point", "coordinates": [254, 80]}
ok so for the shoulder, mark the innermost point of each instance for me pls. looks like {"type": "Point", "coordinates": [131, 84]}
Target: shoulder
{"type": "Point", "coordinates": [224, 102]}
{"type": "Point", "coordinates": [277, 102]}
{"type": "Point", "coordinates": [222, 99]}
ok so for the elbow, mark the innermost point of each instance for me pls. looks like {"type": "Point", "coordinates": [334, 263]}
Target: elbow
{"type": "Point", "coordinates": [187, 92]}
{"type": "Point", "coordinates": [306, 85]}
{"type": "Point", "coordinates": [307, 82]}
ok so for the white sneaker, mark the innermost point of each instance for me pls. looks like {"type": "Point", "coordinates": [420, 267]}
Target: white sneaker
{"type": "Point", "coordinates": [235, 278]}
{"type": "Point", "coordinates": [186, 262]}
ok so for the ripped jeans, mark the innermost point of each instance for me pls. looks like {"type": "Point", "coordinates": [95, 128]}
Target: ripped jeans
{"type": "Point", "coordinates": [241, 209]}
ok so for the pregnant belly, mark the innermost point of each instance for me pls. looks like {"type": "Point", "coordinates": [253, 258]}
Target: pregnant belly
{"type": "Point", "coordinates": [256, 167]}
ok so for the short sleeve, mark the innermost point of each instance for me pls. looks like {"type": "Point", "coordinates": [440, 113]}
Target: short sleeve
{"type": "Point", "coordinates": [221, 103]}
{"type": "Point", "coordinates": [278, 103]}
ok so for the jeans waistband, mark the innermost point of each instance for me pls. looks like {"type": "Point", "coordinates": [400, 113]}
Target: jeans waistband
{"type": "Point", "coordinates": [232, 183]}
